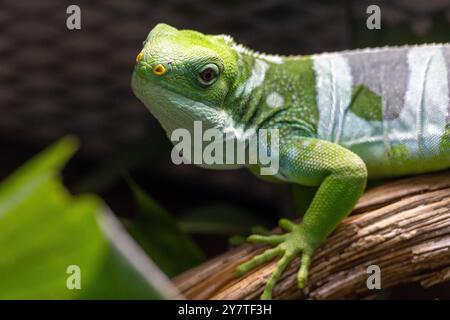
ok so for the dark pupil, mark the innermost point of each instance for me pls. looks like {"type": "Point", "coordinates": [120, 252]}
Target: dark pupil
{"type": "Point", "coordinates": [207, 74]}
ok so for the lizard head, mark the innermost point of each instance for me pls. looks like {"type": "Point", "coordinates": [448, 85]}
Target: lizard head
{"type": "Point", "coordinates": [183, 76]}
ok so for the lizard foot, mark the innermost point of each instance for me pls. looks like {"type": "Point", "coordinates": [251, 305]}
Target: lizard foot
{"type": "Point", "coordinates": [287, 245]}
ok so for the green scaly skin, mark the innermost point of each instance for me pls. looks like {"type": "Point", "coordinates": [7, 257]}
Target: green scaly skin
{"type": "Point", "coordinates": [257, 91]}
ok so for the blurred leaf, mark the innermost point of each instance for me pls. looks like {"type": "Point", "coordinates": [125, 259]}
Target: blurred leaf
{"type": "Point", "coordinates": [44, 230]}
{"type": "Point", "coordinates": [136, 155]}
{"type": "Point", "coordinates": [221, 219]}
{"type": "Point", "coordinates": [159, 235]}
{"type": "Point", "coordinates": [237, 240]}
{"type": "Point", "coordinates": [260, 230]}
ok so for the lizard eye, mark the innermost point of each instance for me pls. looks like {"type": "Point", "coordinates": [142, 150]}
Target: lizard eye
{"type": "Point", "coordinates": [208, 75]}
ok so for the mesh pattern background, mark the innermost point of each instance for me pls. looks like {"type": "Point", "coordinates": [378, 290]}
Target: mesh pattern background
{"type": "Point", "coordinates": [54, 81]}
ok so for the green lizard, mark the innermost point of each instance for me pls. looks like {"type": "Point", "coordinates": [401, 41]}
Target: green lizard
{"type": "Point", "coordinates": [342, 118]}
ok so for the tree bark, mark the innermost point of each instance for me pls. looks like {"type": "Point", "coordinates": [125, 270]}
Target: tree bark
{"type": "Point", "coordinates": [402, 226]}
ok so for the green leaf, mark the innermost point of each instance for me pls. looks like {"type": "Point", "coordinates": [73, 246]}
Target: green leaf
{"type": "Point", "coordinates": [219, 219]}
{"type": "Point", "coordinates": [34, 174]}
{"type": "Point", "coordinates": [159, 235]}
{"type": "Point", "coordinates": [44, 230]}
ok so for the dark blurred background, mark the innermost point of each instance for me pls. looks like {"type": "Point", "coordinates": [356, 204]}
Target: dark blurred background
{"type": "Point", "coordinates": [55, 82]}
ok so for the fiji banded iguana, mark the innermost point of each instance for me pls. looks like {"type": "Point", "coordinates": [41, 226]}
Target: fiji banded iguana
{"type": "Point", "coordinates": [342, 118]}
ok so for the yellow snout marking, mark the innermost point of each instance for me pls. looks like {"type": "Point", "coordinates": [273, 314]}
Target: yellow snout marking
{"type": "Point", "coordinates": [139, 57]}
{"type": "Point", "coordinates": [159, 70]}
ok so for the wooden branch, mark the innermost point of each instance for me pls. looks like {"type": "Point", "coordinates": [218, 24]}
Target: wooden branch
{"type": "Point", "coordinates": [402, 226]}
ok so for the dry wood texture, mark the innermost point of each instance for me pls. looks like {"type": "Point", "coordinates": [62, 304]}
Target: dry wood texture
{"type": "Point", "coordinates": [402, 226]}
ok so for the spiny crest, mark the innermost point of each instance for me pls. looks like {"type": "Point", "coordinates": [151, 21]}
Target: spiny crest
{"type": "Point", "coordinates": [226, 38]}
{"type": "Point", "coordinates": [240, 48]}
{"type": "Point", "coordinates": [381, 48]}
{"type": "Point", "coordinates": [256, 54]}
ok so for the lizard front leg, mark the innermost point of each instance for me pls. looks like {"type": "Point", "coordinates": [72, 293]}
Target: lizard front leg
{"type": "Point", "coordinates": [341, 178]}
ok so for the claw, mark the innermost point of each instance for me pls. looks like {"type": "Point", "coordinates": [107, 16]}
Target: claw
{"type": "Point", "coordinates": [302, 275]}
{"type": "Point", "coordinates": [258, 260]}
{"type": "Point", "coordinates": [286, 224]}
{"type": "Point", "coordinates": [289, 245]}
{"type": "Point", "coordinates": [272, 240]}
{"type": "Point", "coordinates": [281, 265]}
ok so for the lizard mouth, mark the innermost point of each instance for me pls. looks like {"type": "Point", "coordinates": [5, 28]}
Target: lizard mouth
{"type": "Point", "coordinates": [174, 110]}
